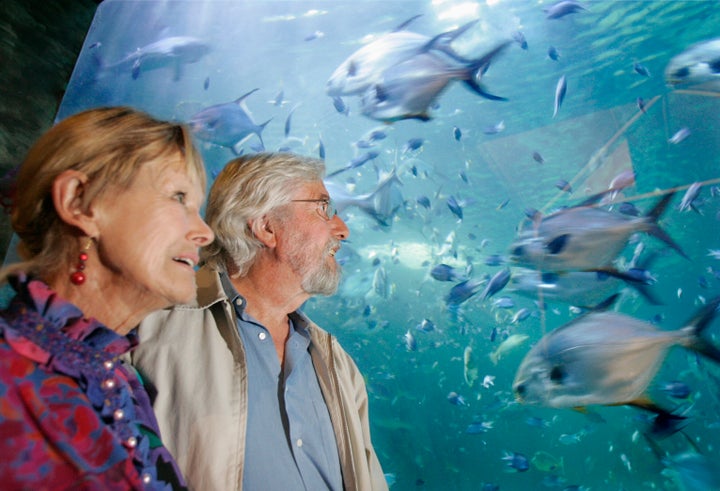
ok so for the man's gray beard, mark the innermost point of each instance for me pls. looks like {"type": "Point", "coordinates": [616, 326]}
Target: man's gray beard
{"type": "Point", "coordinates": [324, 281]}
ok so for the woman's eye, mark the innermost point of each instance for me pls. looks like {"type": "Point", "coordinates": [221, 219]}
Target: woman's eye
{"type": "Point", "coordinates": [180, 197]}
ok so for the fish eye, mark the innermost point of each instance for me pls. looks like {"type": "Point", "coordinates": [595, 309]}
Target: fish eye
{"type": "Point", "coordinates": [518, 251]}
{"type": "Point", "coordinates": [520, 390]}
{"type": "Point", "coordinates": [681, 72]}
{"type": "Point", "coordinates": [557, 374]}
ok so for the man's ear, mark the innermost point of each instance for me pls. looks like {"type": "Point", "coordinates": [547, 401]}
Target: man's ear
{"type": "Point", "coordinates": [67, 193]}
{"type": "Point", "coordinates": [264, 231]}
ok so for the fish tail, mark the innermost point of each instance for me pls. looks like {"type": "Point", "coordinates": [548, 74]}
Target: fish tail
{"type": "Point", "coordinates": [698, 324]}
{"type": "Point", "coordinates": [476, 69]}
{"type": "Point", "coordinates": [654, 229]}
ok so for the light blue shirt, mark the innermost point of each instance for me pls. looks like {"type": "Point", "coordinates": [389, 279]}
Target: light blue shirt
{"type": "Point", "coordinates": [290, 444]}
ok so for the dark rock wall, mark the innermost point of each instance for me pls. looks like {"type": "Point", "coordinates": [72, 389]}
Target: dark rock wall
{"type": "Point", "coordinates": [39, 42]}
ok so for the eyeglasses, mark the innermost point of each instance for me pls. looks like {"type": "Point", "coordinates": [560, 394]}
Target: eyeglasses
{"type": "Point", "coordinates": [326, 208]}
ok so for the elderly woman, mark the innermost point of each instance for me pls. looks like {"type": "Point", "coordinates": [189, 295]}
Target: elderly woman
{"type": "Point", "coordinates": [107, 210]}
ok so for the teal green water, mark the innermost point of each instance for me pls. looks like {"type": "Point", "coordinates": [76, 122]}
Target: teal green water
{"type": "Point", "coordinates": [294, 46]}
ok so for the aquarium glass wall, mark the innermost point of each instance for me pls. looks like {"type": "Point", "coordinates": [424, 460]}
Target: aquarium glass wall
{"type": "Point", "coordinates": [504, 168]}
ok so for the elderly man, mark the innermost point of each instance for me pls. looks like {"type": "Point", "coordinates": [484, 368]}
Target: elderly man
{"type": "Point", "coordinates": [251, 394]}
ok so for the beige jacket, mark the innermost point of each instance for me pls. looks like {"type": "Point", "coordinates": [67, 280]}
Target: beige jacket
{"type": "Point", "coordinates": [194, 358]}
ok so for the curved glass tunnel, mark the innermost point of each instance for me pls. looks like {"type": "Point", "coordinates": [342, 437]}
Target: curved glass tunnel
{"type": "Point", "coordinates": [465, 180]}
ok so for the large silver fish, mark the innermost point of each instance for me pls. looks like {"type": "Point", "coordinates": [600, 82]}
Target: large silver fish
{"type": "Point", "coordinates": [697, 64]}
{"type": "Point", "coordinates": [580, 288]}
{"type": "Point", "coordinates": [584, 238]}
{"type": "Point", "coordinates": [227, 125]}
{"type": "Point", "coordinates": [366, 65]}
{"type": "Point", "coordinates": [605, 358]}
{"type": "Point", "coordinates": [408, 89]}
{"type": "Point", "coordinates": [174, 52]}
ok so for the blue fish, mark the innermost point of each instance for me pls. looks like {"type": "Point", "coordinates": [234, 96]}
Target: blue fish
{"type": "Point", "coordinates": [455, 207]}
{"type": "Point", "coordinates": [423, 201]}
{"type": "Point", "coordinates": [340, 105]}
{"type": "Point", "coordinates": [413, 144]}
{"type": "Point", "coordinates": [227, 125]}
{"type": "Point", "coordinates": [356, 162]}
{"type": "Point", "coordinates": [496, 283]}
{"type": "Point", "coordinates": [641, 70]}
{"type": "Point", "coordinates": [517, 461]}
{"type": "Point", "coordinates": [463, 290]}
{"type": "Point", "coordinates": [553, 53]}
{"type": "Point", "coordinates": [445, 272]}
{"type": "Point", "coordinates": [457, 133]}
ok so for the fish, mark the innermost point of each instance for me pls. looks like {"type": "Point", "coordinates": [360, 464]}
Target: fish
{"type": "Point", "coordinates": [410, 343]}
{"type": "Point", "coordinates": [340, 105]}
{"type": "Point", "coordinates": [478, 427]}
{"type": "Point", "coordinates": [538, 158]}
{"type": "Point", "coordinates": [641, 70]}
{"type": "Point", "coordinates": [380, 284]}
{"type": "Point", "coordinates": [424, 201]}
{"type": "Point", "coordinates": [228, 124]}
{"type": "Point", "coordinates": [288, 121]}
{"type": "Point", "coordinates": [512, 342]}
{"type": "Point", "coordinates": [519, 38]}
{"type": "Point", "coordinates": [517, 462]}
{"type": "Point", "coordinates": [584, 289]}
{"type": "Point", "coordinates": [697, 64]}
{"type": "Point", "coordinates": [494, 129]}
{"type": "Point", "coordinates": [174, 52]}
{"type": "Point", "coordinates": [445, 272]}
{"type": "Point", "coordinates": [560, 91]}
{"type": "Point", "coordinates": [679, 136]}
{"type": "Point", "coordinates": [381, 204]}
{"type": "Point", "coordinates": [455, 207]}
{"type": "Point", "coordinates": [463, 291]}
{"type": "Point", "coordinates": [355, 162]}
{"type": "Point", "coordinates": [584, 238]}
{"type": "Point", "coordinates": [546, 462]}
{"type": "Point", "coordinates": [457, 133]}
{"type": "Point", "coordinates": [408, 89]}
{"type": "Point", "coordinates": [425, 325]}
{"type": "Point", "coordinates": [413, 144]}
{"type": "Point", "coordinates": [563, 185]}
{"type": "Point", "coordinates": [690, 195]}
{"type": "Point", "coordinates": [357, 73]}
{"type": "Point", "coordinates": [640, 103]}
{"type": "Point", "coordinates": [470, 368]}
{"type": "Point", "coordinates": [496, 283]}
{"type": "Point", "coordinates": [561, 9]}
{"type": "Point", "coordinates": [606, 358]}
{"type": "Point", "coordinates": [553, 53]}
{"type": "Point", "coordinates": [456, 399]}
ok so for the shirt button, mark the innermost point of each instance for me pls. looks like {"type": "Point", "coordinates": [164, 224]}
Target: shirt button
{"type": "Point", "coordinates": [108, 364]}
{"type": "Point", "coordinates": [118, 414]}
{"type": "Point", "coordinates": [239, 302]}
{"type": "Point", "coordinates": [299, 442]}
{"type": "Point", "coordinates": [146, 478]}
{"type": "Point", "coordinates": [262, 336]}
{"type": "Point", "coordinates": [108, 383]}
{"type": "Point", "coordinates": [131, 442]}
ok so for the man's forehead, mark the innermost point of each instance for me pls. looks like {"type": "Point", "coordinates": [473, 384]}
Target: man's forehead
{"type": "Point", "coordinates": [313, 189]}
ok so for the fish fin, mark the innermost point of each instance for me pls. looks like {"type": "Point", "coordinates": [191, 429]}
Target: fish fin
{"type": "Point", "coordinates": [442, 41]}
{"type": "Point", "coordinates": [699, 322]}
{"type": "Point", "coordinates": [606, 304]}
{"type": "Point", "coordinates": [240, 99]}
{"type": "Point", "coordinates": [402, 26]}
{"type": "Point", "coordinates": [639, 285]}
{"type": "Point", "coordinates": [557, 245]}
{"type": "Point", "coordinates": [477, 68]}
{"type": "Point", "coordinates": [655, 230]}
{"type": "Point", "coordinates": [136, 69]}
{"type": "Point", "coordinates": [581, 409]}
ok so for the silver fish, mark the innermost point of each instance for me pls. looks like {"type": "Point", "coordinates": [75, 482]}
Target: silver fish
{"type": "Point", "coordinates": [584, 238]}
{"type": "Point", "coordinates": [408, 89]}
{"type": "Point", "coordinates": [605, 358]}
{"type": "Point", "coordinates": [697, 64]}
{"type": "Point", "coordinates": [560, 90]}
{"type": "Point", "coordinates": [227, 125]}
{"type": "Point", "coordinates": [175, 52]}
{"type": "Point", "coordinates": [381, 204]}
{"type": "Point", "coordinates": [366, 65]}
{"type": "Point", "coordinates": [690, 195]}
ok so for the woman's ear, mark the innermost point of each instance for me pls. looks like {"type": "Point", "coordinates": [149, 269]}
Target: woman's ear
{"type": "Point", "coordinates": [67, 193]}
{"type": "Point", "coordinates": [264, 231]}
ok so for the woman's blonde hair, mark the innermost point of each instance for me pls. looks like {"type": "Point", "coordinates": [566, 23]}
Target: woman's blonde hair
{"type": "Point", "coordinates": [248, 188]}
{"type": "Point", "coordinates": [109, 145]}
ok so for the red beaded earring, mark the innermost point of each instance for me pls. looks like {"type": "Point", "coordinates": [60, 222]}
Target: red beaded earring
{"type": "Point", "coordinates": [78, 277]}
